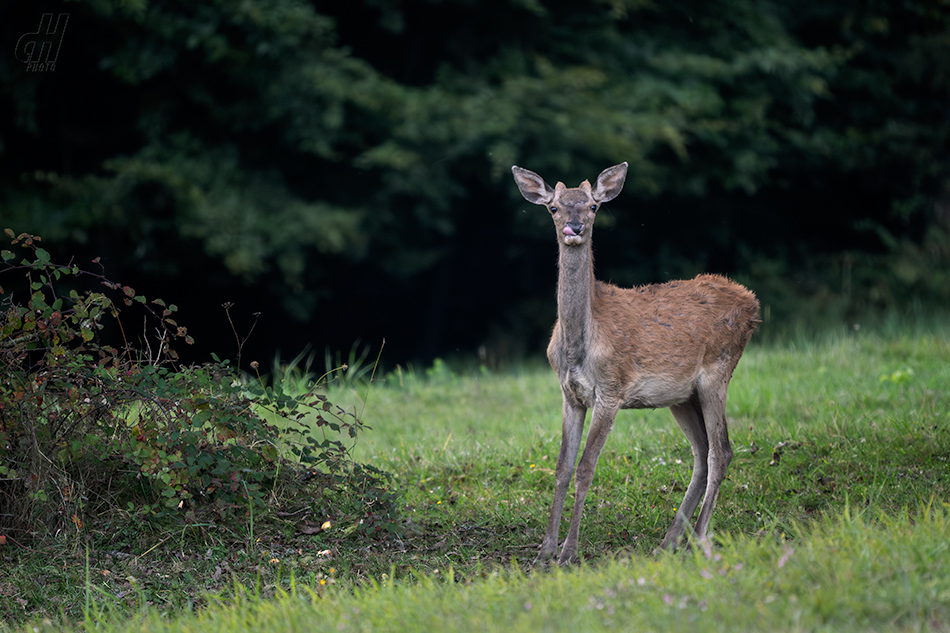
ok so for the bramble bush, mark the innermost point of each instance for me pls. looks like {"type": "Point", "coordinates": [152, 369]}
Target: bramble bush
{"type": "Point", "coordinates": [94, 426]}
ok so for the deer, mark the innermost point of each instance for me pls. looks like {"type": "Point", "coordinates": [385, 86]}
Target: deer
{"type": "Point", "coordinates": [674, 345]}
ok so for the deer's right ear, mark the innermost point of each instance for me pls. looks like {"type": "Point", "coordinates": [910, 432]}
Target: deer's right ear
{"type": "Point", "coordinates": [532, 186]}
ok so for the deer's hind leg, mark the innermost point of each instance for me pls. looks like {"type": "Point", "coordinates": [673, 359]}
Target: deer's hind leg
{"type": "Point", "coordinates": [689, 416]}
{"type": "Point", "coordinates": [712, 398]}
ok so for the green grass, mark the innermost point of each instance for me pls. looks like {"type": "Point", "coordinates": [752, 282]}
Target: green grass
{"type": "Point", "coordinates": [848, 573]}
{"type": "Point", "coordinates": [832, 518]}
{"type": "Point", "coordinates": [817, 425]}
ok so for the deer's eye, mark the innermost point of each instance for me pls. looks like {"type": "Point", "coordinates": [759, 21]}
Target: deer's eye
{"type": "Point", "coordinates": [593, 207]}
{"type": "Point", "coordinates": [553, 209]}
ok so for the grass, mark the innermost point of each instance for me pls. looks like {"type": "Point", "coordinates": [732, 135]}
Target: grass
{"type": "Point", "coordinates": [832, 516]}
{"type": "Point", "coordinates": [846, 573]}
{"type": "Point", "coordinates": [858, 420]}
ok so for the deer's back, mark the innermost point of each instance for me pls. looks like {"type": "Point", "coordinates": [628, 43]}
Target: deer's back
{"type": "Point", "coordinates": [650, 344]}
{"type": "Point", "coordinates": [709, 313]}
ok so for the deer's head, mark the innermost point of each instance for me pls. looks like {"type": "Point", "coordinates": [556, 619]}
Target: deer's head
{"type": "Point", "coordinates": [572, 209]}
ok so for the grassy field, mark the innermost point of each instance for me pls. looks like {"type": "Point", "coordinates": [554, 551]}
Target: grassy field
{"type": "Point", "coordinates": [843, 574]}
{"type": "Point", "coordinates": [818, 426]}
{"type": "Point", "coordinates": [834, 515]}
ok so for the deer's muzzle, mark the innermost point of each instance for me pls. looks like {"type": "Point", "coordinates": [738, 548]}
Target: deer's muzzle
{"type": "Point", "coordinates": [573, 228]}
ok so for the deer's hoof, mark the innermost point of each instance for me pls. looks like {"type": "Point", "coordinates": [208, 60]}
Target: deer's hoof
{"type": "Point", "coordinates": [544, 559]}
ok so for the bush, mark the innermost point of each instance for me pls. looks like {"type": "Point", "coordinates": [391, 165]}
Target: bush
{"type": "Point", "coordinates": [94, 427]}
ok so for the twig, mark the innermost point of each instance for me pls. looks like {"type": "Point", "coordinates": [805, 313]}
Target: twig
{"type": "Point", "coordinates": [19, 544]}
{"type": "Point", "coordinates": [240, 342]}
{"type": "Point", "coordinates": [26, 338]}
{"type": "Point", "coordinates": [291, 514]}
{"type": "Point", "coordinates": [154, 546]}
{"type": "Point", "coordinates": [371, 376]}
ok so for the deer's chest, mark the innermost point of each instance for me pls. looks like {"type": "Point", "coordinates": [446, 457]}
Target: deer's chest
{"type": "Point", "coordinates": [574, 370]}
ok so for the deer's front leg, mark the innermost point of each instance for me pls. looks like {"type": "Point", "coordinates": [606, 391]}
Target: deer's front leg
{"type": "Point", "coordinates": [602, 421]}
{"type": "Point", "coordinates": [572, 427]}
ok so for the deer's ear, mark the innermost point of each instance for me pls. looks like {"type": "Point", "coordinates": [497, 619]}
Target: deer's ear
{"type": "Point", "coordinates": [532, 186]}
{"type": "Point", "coordinates": [609, 183]}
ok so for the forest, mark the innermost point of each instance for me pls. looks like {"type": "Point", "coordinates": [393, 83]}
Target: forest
{"type": "Point", "coordinates": [340, 172]}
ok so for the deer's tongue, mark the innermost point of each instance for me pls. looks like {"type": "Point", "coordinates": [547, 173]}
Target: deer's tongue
{"type": "Point", "coordinates": [568, 231]}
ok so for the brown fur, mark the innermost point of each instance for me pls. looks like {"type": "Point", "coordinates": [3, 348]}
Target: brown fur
{"type": "Point", "coordinates": [663, 345]}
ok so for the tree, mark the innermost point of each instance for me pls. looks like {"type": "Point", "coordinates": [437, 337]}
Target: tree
{"type": "Point", "coordinates": [346, 166]}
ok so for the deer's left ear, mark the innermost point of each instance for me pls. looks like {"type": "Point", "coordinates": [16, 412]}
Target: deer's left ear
{"type": "Point", "coordinates": [609, 183]}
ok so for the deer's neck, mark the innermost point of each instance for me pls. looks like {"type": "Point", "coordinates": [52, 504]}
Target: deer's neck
{"type": "Point", "coordinates": [574, 289]}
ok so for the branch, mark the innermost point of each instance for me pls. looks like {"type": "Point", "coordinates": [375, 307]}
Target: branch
{"type": "Point", "coordinates": [26, 338]}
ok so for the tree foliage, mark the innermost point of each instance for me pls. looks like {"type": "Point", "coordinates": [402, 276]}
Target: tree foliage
{"type": "Point", "coordinates": [345, 161]}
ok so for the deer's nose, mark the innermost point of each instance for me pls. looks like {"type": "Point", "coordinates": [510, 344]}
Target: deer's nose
{"type": "Point", "coordinates": [574, 228]}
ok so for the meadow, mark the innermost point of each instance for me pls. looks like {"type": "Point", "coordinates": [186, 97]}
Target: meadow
{"type": "Point", "coordinates": [834, 516]}
{"type": "Point", "coordinates": [817, 427]}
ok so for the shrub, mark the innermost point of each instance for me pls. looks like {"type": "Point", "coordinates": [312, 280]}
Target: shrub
{"type": "Point", "coordinates": [94, 426]}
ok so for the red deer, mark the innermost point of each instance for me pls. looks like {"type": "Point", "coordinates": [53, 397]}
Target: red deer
{"type": "Point", "coordinates": [664, 345]}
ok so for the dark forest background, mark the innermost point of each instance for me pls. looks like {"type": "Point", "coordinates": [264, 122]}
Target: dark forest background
{"type": "Point", "coordinates": [343, 168]}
